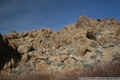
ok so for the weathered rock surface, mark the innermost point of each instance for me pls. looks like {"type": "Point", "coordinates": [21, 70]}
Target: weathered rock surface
{"type": "Point", "coordinates": [42, 67]}
{"type": "Point", "coordinates": [23, 49]}
{"type": "Point", "coordinates": [77, 45]}
{"type": "Point", "coordinates": [24, 58]}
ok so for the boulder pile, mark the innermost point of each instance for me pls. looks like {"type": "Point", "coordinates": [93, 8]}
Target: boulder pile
{"type": "Point", "coordinates": [82, 44]}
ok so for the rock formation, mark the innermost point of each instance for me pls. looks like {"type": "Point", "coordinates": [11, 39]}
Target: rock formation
{"type": "Point", "coordinates": [8, 55]}
{"type": "Point", "coordinates": [86, 41]}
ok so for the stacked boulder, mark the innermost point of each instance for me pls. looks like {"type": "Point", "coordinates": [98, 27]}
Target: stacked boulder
{"type": "Point", "coordinates": [76, 45]}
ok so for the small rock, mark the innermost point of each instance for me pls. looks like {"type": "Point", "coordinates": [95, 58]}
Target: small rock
{"type": "Point", "coordinates": [32, 65]}
{"type": "Point", "coordinates": [33, 59]}
{"type": "Point", "coordinates": [13, 35]}
{"type": "Point", "coordinates": [42, 67]}
{"type": "Point", "coordinates": [53, 67]}
{"type": "Point", "coordinates": [75, 57]}
{"type": "Point", "coordinates": [37, 55]}
{"type": "Point", "coordinates": [12, 44]}
{"type": "Point", "coordinates": [9, 64]}
{"type": "Point", "coordinates": [54, 46]}
{"type": "Point", "coordinates": [117, 42]}
{"type": "Point", "coordinates": [118, 45]}
{"type": "Point", "coordinates": [54, 58]}
{"type": "Point", "coordinates": [5, 66]}
{"type": "Point", "coordinates": [60, 68]}
{"type": "Point", "coordinates": [82, 21]}
{"type": "Point", "coordinates": [89, 48]}
{"type": "Point", "coordinates": [59, 64]}
{"type": "Point", "coordinates": [31, 40]}
{"type": "Point", "coordinates": [105, 46]}
{"type": "Point", "coordinates": [9, 71]}
{"type": "Point", "coordinates": [24, 58]}
{"type": "Point", "coordinates": [91, 34]}
{"type": "Point", "coordinates": [113, 21]}
{"type": "Point", "coordinates": [12, 62]}
{"type": "Point", "coordinates": [44, 50]}
{"type": "Point", "coordinates": [63, 57]}
{"type": "Point", "coordinates": [98, 57]}
{"type": "Point", "coordinates": [31, 54]}
{"type": "Point", "coordinates": [93, 44]}
{"type": "Point", "coordinates": [93, 57]}
{"type": "Point", "coordinates": [80, 50]}
{"type": "Point", "coordinates": [111, 45]}
{"type": "Point", "coordinates": [99, 50]}
{"type": "Point", "coordinates": [79, 64]}
{"type": "Point", "coordinates": [23, 49]}
{"type": "Point", "coordinates": [69, 61]}
{"type": "Point", "coordinates": [42, 57]}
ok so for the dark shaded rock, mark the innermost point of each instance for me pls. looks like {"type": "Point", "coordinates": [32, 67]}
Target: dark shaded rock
{"type": "Point", "coordinates": [91, 34]}
{"type": "Point", "coordinates": [3, 56]}
{"type": "Point", "coordinates": [7, 53]}
{"type": "Point", "coordinates": [99, 19]}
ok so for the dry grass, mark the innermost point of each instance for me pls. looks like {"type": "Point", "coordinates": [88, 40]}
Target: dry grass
{"type": "Point", "coordinates": [110, 69]}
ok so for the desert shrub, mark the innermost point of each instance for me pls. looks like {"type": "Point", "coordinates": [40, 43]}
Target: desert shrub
{"type": "Point", "coordinates": [106, 69]}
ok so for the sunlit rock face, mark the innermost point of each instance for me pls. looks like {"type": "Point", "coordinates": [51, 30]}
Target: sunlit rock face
{"type": "Point", "coordinates": [85, 42]}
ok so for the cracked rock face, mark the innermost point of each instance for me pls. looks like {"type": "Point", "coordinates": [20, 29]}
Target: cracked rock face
{"type": "Point", "coordinates": [76, 45]}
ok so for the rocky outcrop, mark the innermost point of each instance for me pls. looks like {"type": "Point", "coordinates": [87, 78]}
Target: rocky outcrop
{"type": "Point", "coordinates": [8, 55]}
{"type": "Point", "coordinates": [2, 52]}
{"type": "Point", "coordinates": [77, 45]}
{"type": "Point", "coordinates": [83, 22]}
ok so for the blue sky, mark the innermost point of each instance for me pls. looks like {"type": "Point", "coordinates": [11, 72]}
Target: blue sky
{"type": "Point", "coordinates": [23, 15]}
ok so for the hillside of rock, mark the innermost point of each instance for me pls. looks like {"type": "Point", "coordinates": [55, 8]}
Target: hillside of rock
{"type": "Point", "coordinates": [82, 44]}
